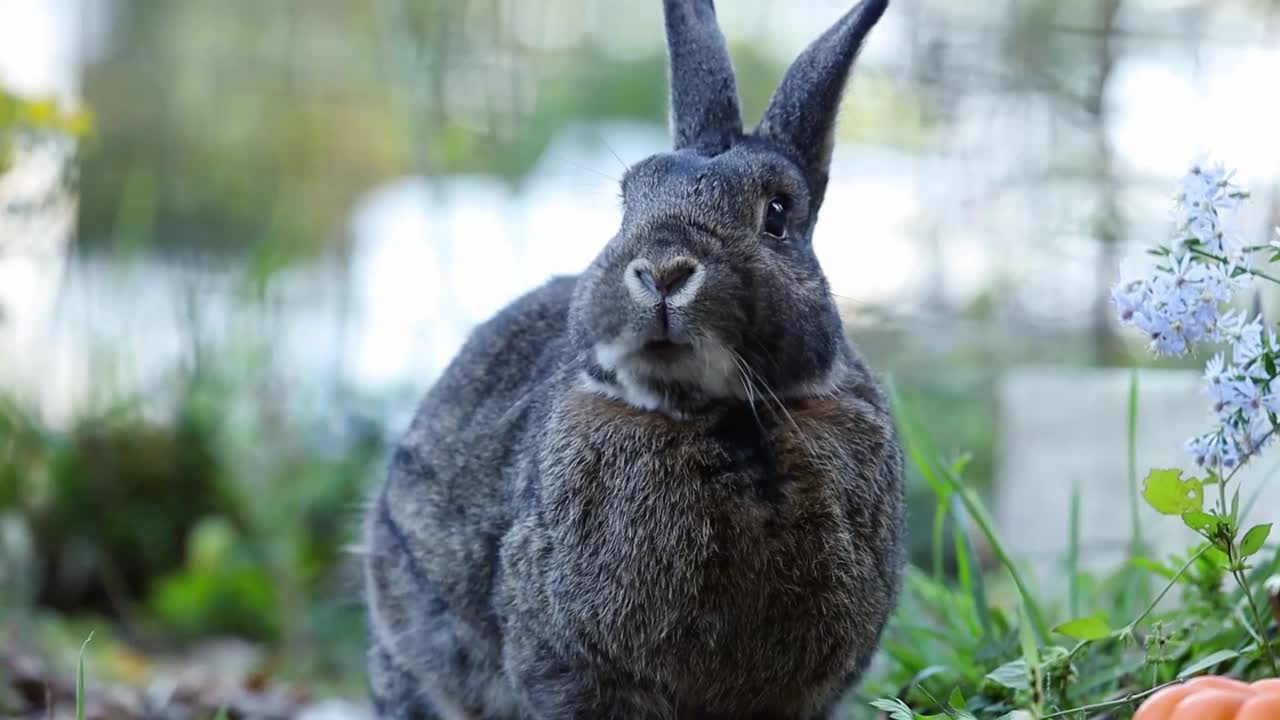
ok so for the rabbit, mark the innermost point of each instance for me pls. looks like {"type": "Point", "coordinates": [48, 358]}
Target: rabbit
{"type": "Point", "coordinates": [667, 488]}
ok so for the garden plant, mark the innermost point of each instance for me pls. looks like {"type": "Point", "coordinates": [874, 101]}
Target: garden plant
{"type": "Point", "coordinates": [953, 653]}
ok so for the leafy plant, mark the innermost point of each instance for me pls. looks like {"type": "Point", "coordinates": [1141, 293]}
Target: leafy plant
{"type": "Point", "coordinates": [1002, 660]}
{"type": "Point", "coordinates": [986, 645]}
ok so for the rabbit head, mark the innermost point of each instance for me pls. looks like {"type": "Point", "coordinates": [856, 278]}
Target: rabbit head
{"type": "Point", "coordinates": [711, 290]}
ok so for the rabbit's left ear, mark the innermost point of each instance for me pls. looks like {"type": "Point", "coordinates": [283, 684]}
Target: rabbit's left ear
{"type": "Point", "coordinates": [802, 112]}
{"type": "Point", "coordinates": [704, 96]}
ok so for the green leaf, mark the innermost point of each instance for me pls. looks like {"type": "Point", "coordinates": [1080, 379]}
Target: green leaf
{"type": "Point", "coordinates": [896, 709]}
{"type": "Point", "coordinates": [927, 673]}
{"type": "Point", "coordinates": [1207, 662]}
{"type": "Point", "coordinates": [1169, 494]}
{"type": "Point", "coordinates": [1012, 675]}
{"type": "Point", "coordinates": [1254, 539]}
{"type": "Point", "coordinates": [1030, 650]}
{"type": "Point", "coordinates": [1093, 627]}
{"type": "Point", "coordinates": [956, 701]}
{"type": "Point", "coordinates": [1201, 522]}
{"type": "Point", "coordinates": [1217, 557]}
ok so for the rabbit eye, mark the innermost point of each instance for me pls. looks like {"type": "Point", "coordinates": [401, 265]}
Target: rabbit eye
{"type": "Point", "coordinates": [775, 219]}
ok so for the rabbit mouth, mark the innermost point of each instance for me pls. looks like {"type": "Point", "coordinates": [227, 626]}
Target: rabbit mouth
{"type": "Point", "coordinates": [666, 351]}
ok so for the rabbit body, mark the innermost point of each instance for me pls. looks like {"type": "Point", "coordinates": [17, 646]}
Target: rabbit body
{"type": "Point", "coordinates": [667, 488]}
{"type": "Point", "coordinates": [534, 539]}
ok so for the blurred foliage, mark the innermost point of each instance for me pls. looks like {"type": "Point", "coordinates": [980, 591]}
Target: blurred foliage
{"type": "Point", "coordinates": [181, 524]}
{"type": "Point", "coordinates": [43, 116]}
{"type": "Point", "coordinates": [107, 497]}
{"type": "Point", "coordinates": [231, 136]}
{"type": "Point", "coordinates": [253, 131]}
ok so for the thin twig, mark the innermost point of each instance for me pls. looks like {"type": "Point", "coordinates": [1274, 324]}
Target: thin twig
{"type": "Point", "coordinates": [1126, 700]}
{"type": "Point", "coordinates": [1257, 617]}
{"type": "Point", "coordinates": [1130, 627]}
{"type": "Point", "coordinates": [1241, 579]}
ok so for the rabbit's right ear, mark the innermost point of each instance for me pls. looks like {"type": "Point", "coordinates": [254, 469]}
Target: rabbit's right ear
{"type": "Point", "coordinates": [704, 96]}
{"type": "Point", "coordinates": [802, 113]}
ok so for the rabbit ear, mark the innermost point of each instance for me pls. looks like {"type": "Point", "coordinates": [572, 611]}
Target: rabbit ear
{"type": "Point", "coordinates": [802, 112]}
{"type": "Point", "coordinates": [704, 96]}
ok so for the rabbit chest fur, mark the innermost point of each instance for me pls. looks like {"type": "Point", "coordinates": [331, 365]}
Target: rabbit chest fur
{"type": "Point", "coordinates": [738, 563]}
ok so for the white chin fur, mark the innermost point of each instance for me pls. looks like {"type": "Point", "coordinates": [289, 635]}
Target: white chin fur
{"type": "Point", "coordinates": [711, 369]}
{"type": "Point", "coordinates": [635, 396]}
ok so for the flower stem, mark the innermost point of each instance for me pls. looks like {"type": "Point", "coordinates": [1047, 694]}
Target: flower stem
{"type": "Point", "coordinates": [1167, 588]}
{"type": "Point", "coordinates": [1251, 271]}
{"type": "Point", "coordinates": [1243, 580]}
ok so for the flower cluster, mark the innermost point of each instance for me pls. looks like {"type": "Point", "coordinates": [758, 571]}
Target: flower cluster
{"type": "Point", "coordinates": [1180, 305]}
{"type": "Point", "coordinates": [1245, 395]}
{"type": "Point", "coordinates": [1204, 263]}
{"type": "Point", "coordinates": [1185, 302]}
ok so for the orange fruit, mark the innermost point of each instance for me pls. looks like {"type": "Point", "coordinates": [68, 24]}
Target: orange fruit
{"type": "Point", "coordinates": [1160, 705]}
{"type": "Point", "coordinates": [1219, 682]}
{"type": "Point", "coordinates": [1260, 707]}
{"type": "Point", "coordinates": [1210, 704]}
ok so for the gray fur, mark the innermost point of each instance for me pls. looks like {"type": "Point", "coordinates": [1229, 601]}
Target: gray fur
{"type": "Point", "coordinates": [674, 495]}
{"type": "Point", "coordinates": [704, 94]}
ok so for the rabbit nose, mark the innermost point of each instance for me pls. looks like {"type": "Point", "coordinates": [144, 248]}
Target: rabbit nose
{"type": "Point", "coordinates": [671, 278]}
{"type": "Point", "coordinates": [676, 282]}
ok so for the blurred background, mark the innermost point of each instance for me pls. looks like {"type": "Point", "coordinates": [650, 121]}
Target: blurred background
{"type": "Point", "coordinates": [238, 240]}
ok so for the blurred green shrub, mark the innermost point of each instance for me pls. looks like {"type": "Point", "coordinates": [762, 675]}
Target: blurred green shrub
{"type": "Point", "coordinates": [201, 521]}
{"type": "Point", "coordinates": [220, 589]}
{"type": "Point", "coordinates": [109, 500]}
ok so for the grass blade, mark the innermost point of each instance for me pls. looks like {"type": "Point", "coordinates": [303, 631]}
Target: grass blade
{"type": "Point", "coordinates": [970, 572]}
{"type": "Point", "coordinates": [917, 444]}
{"type": "Point", "coordinates": [1073, 554]}
{"type": "Point", "coordinates": [918, 449]}
{"type": "Point", "coordinates": [1135, 548]}
{"type": "Point", "coordinates": [80, 679]}
{"type": "Point", "coordinates": [974, 506]}
{"type": "Point", "coordinates": [939, 528]}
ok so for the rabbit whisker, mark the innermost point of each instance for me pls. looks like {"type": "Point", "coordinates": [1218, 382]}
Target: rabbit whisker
{"type": "Point", "coordinates": [767, 388]}
{"type": "Point", "coordinates": [777, 401]}
{"type": "Point", "coordinates": [747, 385]}
{"type": "Point", "coordinates": [614, 153]}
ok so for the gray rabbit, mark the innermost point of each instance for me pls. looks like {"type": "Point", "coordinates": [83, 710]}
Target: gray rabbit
{"type": "Point", "coordinates": [667, 487]}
